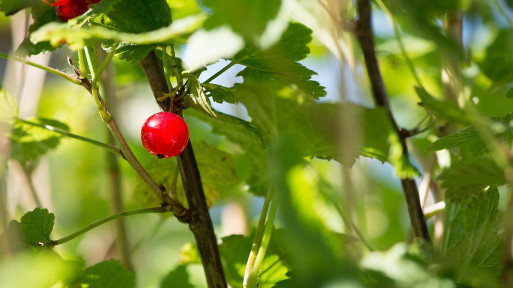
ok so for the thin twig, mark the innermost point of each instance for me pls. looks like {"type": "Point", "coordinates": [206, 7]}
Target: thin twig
{"type": "Point", "coordinates": [365, 38]}
{"type": "Point", "coordinates": [91, 226]}
{"type": "Point", "coordinates": [262, 250]}
{"type": "Point", "coordinates": [109, 147]}
{"type": "Point", "coordinates": [219, 72]}
{"type": "Point", "coordinates": [64, 75]}
{"type": "Point", "coordinates": [257, 241]}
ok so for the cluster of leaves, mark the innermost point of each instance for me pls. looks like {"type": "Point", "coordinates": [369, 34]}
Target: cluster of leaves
{"type": "Point", "coordinates": [289, 125]}
{"type": "Point", "coordinates": [31, 236]}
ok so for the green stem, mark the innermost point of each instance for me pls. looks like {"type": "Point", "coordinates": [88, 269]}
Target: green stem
{"type": "Point", "coordinates": [98, 73]}
{"type": "Point", "coordinates": [105, 220]}
{"type": "Point", "coordinates": [164, 66]}
{"type": "Point", "coordinates": [109, 147]}
{"type": "Point", "coordinates": [81, 61]}
{"type": "Point", "coordinates": [266, 238]}
{"type": "Point", "coordinates": [100, 104]}
{"type": "Point", "coordinates": [257, 242]}
{"type": "Point", "coordinates": [400, 41]}
{"type": "Point", "coordinates": [220, 72]}
{"type": "Point", "coordinates": [127, 153]}
{"type": "Point", "coordinates": [66, 76]}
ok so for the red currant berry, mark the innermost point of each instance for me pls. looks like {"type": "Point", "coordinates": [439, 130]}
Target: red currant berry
{"type": "Point", "coordinates": [56, 2]}
{"type": "Point", "coordinates": [71, 9]}
{"type": "Point", "coordinates": [164, 134]}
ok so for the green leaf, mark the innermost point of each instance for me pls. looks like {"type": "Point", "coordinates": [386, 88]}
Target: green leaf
{"type": "Point", "coordinates": [247, 137]}
{"type": "Point", "coordinates": [9, 110]}
{"type": "Point", "coordinates": [469, 139]}
{"type": "Point", "coordinates": [400, 268]}
{"type": "Point", "coordinates": [281, 58]}
{"type": "Point", "coordinates": [178, 277]}
{"type": "Point", "coordinates": [197, 99]}
{"type": "Point", "coordinates": [401, 163]}
{"type": "Point", "coordinates": [216, 167]}
{"type": "Point", "coordinates": [134, 44]}
{"type": "Point", "coordinates": [235, 251]}
{"type": "Point", "coordinates": [108, 274]}
{"type": "Point", "coordinates": [29, 142]}
{"type": "Point", "coordinates": [316, 252]}
{"type": "Point", "coordinates": [278, 109]}
{"type": "Point", "coordinates": [36, 226]}
{"type": "Point", "coordinates": [445, 109]}
{"type": "Point", "coordinates": [42, 269]}
{"type": "Point", "coordinates": [10, 7]}
{"type": "Point", "coordinates": [135, 16]}
{"type": "Point", "coordinates": [463, 179]}
{"type": "Point", "coordinates": [219, 93]}
{"type": "Point", "coordinates": [302, 83]}
{"type": "Point", "coordinates": [471, 238]}
{"type": "Point", "coordinates": [497, 63]}
{"type": "Point", "coordinates": [246, 17]}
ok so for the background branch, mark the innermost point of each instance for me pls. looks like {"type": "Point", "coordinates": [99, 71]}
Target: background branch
{"type": "Point", "coordinates": [365, 38]}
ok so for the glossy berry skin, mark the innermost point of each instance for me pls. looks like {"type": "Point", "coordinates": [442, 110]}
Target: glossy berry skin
{"type": "Point", "coordinates": [71, 9]}
{"type": "Point", "coordinates": [56, 2]}
{"type": "Point", "coordinates": [164, 134]}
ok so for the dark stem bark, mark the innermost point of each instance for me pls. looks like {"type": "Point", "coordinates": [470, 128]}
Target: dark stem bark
{"type": "Point", "coordinates": [200, 222]}
{"type": "Point", "coordinates": [365, 38]}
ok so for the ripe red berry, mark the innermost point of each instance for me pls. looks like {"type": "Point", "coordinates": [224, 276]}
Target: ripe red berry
{"type": "Point", "coordinates": [56, 2]}
{"type": "Point", "coordinates": [165, 134]}
{"type": "Point", "coordinates": [71, 9]}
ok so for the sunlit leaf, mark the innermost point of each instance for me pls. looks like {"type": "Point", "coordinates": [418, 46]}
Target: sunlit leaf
{"type": "Point", "coordinates": [8, 108]}
{"type": "Point", "coordinates": [29, 142]}
{"type": "Point", "coordinates": [281, 57]}
{"type": "Point", "coordinates": [197, 98]}
{"type": "Point", "coordinates": [235, 251]}
{"type": "Point", "coordinates": [42, 269]}
{"type": "Point", "coordinates": [139, 41]}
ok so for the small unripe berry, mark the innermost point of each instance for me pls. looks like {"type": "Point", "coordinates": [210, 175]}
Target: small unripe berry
{"type": "Point", "coordinates": [165, 134]}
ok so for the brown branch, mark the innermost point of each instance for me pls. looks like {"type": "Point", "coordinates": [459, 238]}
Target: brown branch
{"type": "Point", "coordinates": [365, 38]}
{"type": "Point", "coordinates": [200, 222]}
